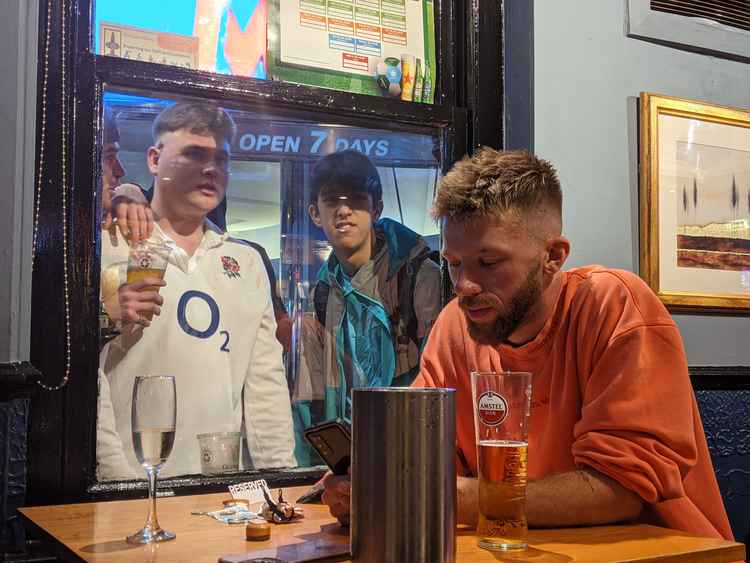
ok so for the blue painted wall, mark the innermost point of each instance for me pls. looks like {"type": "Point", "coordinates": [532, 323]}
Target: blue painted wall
{"type": "Point", "coordinates": [587, 77]}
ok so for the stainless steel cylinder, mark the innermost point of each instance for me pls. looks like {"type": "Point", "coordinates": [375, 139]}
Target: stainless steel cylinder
{"type": "Point", "coordinates": [403, 475]}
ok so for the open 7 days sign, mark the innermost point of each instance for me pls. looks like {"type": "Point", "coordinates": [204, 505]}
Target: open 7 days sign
{"type": "Point", "coordinates": [287, 139]}
{"type": "Point", "coordinates": [492, 408]}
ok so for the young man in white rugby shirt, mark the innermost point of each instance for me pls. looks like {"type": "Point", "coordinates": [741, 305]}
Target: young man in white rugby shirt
{"type": "Point", "coordinates": [213, 324]}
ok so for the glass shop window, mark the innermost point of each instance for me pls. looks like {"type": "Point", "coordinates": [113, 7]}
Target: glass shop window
{"type": "Point", "coordinates": [317, 271]}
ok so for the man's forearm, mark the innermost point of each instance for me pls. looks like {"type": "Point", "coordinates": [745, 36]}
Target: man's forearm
{"type": "Point", "coordinates": [582, 497]}
{"type": "Point", "coordinates": [573, 498]}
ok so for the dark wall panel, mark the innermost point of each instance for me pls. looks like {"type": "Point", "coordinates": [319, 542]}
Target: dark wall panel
{"type": "Point", "coordinates": [13, 435]}
{"type": "Point", "coordinates": [725, 421]}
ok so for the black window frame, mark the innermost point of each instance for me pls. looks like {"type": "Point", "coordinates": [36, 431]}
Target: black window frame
{"type": "Point", "coordinates": [469, 110]}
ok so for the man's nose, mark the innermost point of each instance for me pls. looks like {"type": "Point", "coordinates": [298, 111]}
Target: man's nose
{"type": "Point", "coordinates": [465, 286]}
{"type": "Point", "coordinates": [211, 169]}
{"type": "Point", "coordinates": [343, 207]}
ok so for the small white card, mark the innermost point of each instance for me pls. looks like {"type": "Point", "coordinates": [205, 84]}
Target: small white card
{"type": "Point", "coordinates": [252, 491]}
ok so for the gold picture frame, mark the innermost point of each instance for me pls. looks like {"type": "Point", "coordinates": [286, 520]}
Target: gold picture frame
{"type": "Point", "coordinates": [695, 204]}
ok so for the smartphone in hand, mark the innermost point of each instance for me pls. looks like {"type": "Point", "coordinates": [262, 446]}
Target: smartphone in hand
{"type": "Point", "coordinates": [333, 441]}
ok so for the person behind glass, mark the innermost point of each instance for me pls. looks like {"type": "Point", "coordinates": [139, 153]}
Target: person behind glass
{"type": "Point", "coordinates": [213, 322]}
{"type": "Point", "coordinates": [122, 206]}
{"type": "Point", "coordinates": [615, 433]}
{"type": "Point", "coordinates": [218, 217]}
{"type": "Point", "coordinates": [375, 299]}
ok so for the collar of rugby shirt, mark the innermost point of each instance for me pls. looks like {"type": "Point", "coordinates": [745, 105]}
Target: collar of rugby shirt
{"type": "Point", "coordinates": [213, 237]}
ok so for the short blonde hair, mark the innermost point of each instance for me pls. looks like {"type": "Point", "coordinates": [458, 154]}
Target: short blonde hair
{"type": "Point", "coordinates": [492, 182]}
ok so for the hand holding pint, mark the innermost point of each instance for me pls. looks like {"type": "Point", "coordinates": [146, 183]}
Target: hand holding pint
{"type": "Point", "coordinates": [147, 263]}
{"type": "Point", "coordinates": [501, 409]}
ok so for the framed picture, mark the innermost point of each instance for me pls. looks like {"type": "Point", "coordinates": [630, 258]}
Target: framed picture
{"type": "Point", "coordinates": [704, 27]}
{"type": "Point", "coordinates": [695, 203]}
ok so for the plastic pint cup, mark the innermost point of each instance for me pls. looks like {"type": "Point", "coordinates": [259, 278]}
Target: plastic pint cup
{"type": "Point", "coordinates": [501, 410]}
{"type": "Point", "coordinates": [147, 260]}
{"type": "Point", "coordinates": [220, 452]}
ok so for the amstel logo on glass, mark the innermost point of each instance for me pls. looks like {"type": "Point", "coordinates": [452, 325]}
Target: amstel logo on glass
{"type": "Point", "coordinates": [492, 407]}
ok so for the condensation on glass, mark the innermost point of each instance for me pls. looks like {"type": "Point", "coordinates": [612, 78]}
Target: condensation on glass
{"type": "Point", "coordinates": [303, 367]}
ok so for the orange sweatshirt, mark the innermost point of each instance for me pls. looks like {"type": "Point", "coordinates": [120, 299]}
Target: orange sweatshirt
{"type": "Point", "coordinates": [610, 391]}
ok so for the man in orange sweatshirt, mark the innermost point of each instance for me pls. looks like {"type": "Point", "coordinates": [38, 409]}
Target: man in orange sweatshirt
{"type": "Point", "coordinates": [615, 432]}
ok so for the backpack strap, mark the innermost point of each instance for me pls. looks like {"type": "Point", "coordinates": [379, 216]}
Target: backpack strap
{"type": "Point", "coordinates": [405, 317]}
{"type": "Point", "coordinates": [320, 300]}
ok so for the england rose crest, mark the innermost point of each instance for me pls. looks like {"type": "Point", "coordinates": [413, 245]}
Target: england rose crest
{"type": "Point", "coordinates": [231, 267]}
{"type": "Point", "coordinates": [492, 408]}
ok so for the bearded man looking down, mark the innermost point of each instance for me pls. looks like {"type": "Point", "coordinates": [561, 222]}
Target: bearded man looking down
{"type": "Point", "coordinates": [614, 433]}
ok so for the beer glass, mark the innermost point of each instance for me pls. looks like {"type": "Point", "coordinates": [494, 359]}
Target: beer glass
{"type": "Point", "coordinates": [154, 414]}
{"type": "Point", "coordinates": [501, 410]}
{"type": "Point", "coordinates": [147, 259]}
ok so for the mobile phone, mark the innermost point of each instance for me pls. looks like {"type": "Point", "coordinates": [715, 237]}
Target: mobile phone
{"type": "Point", "coordinates": [333, 441]}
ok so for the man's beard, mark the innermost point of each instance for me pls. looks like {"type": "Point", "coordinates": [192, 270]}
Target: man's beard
{"type": "Point", "coordinates": [506, 324]}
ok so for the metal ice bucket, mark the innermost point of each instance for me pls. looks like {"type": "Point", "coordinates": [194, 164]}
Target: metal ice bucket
{"type": "Point", "coordinates": [403, 475]}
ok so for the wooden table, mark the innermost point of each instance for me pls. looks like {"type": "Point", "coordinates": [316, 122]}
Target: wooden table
{"type": "Point", "coordinates": [96, 532]}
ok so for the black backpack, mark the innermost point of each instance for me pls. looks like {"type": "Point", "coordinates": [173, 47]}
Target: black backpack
{"type": "Point", "coordinates": [404, 318]}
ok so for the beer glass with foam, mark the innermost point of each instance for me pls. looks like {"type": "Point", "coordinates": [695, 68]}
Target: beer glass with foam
{"type": "Point", "coordinates": [501, 411]}
{"type": "Point", "coordinates": [147, 260]}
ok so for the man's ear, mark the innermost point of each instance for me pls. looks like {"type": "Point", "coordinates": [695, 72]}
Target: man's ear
{"type": "Point", "coordinates": [315, 215]}
{"type": "Point", "coordinates": [558, 250]}
{"type": "Point", "coordinates": [377, 210]}
{"type": "Point", "coordinates": [152, 159]}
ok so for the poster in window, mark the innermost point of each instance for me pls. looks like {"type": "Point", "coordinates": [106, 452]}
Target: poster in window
{"type": "Point", "coordinates": [378, 47]}
{"type": "Point", "coordinates": [375, 47]}
{"type": "Point", "coordinates": [222, 36]}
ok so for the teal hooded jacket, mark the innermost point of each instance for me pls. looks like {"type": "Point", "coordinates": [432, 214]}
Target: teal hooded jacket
{"type": "Point", "coordinates": [363, 342]}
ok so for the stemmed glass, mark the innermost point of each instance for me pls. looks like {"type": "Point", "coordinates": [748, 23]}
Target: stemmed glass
{"type": "Point", "coordinates": [154, 415]}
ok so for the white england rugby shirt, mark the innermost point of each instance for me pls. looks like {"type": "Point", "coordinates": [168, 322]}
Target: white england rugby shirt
{"type": "Point", "coordinates": [216, 335]}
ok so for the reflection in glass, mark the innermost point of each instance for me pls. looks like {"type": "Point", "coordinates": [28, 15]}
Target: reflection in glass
{"type": "Point", "coordinates": [374, 298]}
{"type": "Point", "coordinates": [376, 47]}
{"type": "Point", "coordinates": [213, 322]}
{"type": "Point", "coordinates": [271, 319]}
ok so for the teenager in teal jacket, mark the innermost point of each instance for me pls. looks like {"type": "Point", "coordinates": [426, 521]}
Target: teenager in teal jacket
{"type": "Point", "coordinates": [376, 297]}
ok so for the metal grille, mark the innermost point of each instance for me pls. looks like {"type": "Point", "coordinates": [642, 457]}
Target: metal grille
{"type": "Point", "coordinates": [733, 13]}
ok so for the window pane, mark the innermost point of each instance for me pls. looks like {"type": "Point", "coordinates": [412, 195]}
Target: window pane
{"type": "Point", "coordinates": [376, 47]}
{"type": "Point", "coordinates": [279, 297]}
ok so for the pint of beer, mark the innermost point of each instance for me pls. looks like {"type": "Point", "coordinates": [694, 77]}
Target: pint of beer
{"type": "Point", "coordinates": [147, 260]}
{"type": "Point", "coordinates": [501, 409]}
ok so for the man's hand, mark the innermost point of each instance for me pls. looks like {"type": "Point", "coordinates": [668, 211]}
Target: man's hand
{"type": "Point", "coordinates": [134, 219]}
{"type": "Point", "coordinates": [337, 495]}
{"type": "Point", "coordinates": [139, 302]}
{"type": "Point", "coordinates": [284, 331]}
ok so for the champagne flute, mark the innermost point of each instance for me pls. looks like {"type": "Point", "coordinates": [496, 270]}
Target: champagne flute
{"type": "Point", "coordinates": [154, 414]}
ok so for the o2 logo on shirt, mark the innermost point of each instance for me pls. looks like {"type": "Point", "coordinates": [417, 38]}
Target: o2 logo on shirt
{"type": "Point", "coordinates": [213, 326]}
{"type": "Point", "coordinates": [492, 408]}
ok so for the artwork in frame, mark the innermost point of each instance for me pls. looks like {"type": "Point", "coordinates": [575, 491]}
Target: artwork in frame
{"type": "Point", "coordinates": [695, 204]}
